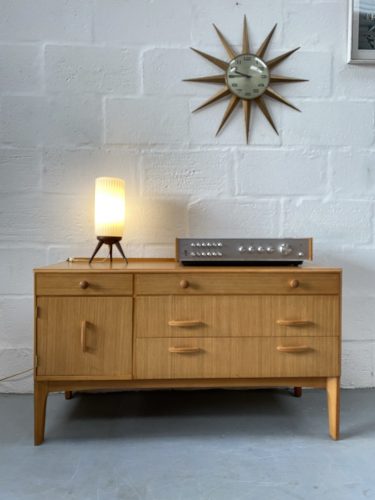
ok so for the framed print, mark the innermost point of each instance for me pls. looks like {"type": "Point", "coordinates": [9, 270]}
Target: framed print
{"type": "Point", "coordinates": [361, 37]}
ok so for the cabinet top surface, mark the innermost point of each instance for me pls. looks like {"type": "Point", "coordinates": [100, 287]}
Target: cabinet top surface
{"type": "Point", "coordinates": [170, 266]}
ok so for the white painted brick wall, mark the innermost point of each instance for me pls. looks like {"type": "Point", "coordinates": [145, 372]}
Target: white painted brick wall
{"type": "Point", "coordinates": [94, 88]}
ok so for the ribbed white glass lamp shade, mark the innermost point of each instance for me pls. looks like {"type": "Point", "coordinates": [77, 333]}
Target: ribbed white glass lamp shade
{"type": "Point", "coordinates": [109, 206]}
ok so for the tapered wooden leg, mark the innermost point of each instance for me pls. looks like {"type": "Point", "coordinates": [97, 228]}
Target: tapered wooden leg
{"type": "Point", "coordinates": [333, 402]}
{"type": "Point", "coordinates": [68, 394]}
{"type": "Point", "coordinates": [40, 403]}
{"type": "Point", "coordinates": [297, 392]}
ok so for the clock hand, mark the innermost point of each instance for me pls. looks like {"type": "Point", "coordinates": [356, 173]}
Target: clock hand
{"type": "Point", "coordinates": [242, 74]}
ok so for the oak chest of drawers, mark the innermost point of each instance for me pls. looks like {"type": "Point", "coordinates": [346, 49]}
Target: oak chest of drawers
{"type": "Point", "coordinates": [155, 324]}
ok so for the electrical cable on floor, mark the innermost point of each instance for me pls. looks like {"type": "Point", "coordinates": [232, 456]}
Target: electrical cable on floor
{"type": "Point", "coordinates": [16, 374]}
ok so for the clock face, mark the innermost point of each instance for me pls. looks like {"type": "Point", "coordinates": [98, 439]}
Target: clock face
{"type": "Point", "coordinates": [247, 76]}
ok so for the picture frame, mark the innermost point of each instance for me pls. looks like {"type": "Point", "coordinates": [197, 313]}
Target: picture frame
{"type": "Point", "coordinates": [361, 32]}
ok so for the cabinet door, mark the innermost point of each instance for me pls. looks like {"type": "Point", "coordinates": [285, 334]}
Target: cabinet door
{"type": "Point", "coordinates": [85, 336]}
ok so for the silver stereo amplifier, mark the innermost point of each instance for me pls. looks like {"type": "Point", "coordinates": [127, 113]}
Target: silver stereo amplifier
{"type": "Point", "coordinates": [243, 251]}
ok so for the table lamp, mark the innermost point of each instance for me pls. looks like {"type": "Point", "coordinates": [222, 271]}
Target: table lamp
{"type": "Point", "coordinates": [109, 214]}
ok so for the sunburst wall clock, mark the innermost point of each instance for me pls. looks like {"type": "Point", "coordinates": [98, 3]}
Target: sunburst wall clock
{"type": "Point", "coordinates": [247, 77]}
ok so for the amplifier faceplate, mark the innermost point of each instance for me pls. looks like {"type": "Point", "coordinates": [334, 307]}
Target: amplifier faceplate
{"type": "Point", "coordinates": [243, 250]}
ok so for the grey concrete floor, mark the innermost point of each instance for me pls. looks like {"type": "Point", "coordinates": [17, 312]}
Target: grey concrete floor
{"type": "Point", "coordinates": [188, 445]}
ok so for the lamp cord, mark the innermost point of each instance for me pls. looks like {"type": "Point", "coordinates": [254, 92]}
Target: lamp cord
{"type": "Point", "coordinates": [16, 374]}
{"type": "Point", "coordinates": [86, 259]}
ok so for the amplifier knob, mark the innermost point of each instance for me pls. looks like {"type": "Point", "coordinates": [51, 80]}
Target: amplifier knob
{"type": "Point", "coordinates": [214, 254]}
{"type": "Point", "coordinates": [251, 249]}
{"type": "Point", "coordinates": [270, 249]}
{"type": "Point", "coordinates": [203, 244]}
{"type": "Point", "coordinates": [192, 254]}
{"type": "Point", "coordinates": [208, 254]}
{"type": "Point", "coordinates": [301, 254]}
{"type": "Point", "coordinates": [261, 250]}
{"type": "Point", "coordinates": [241, 249]}
{"type": "Point", "coordinates": [203, 254]}
{"type": "Point", "coordinates": [285, 249]}
{"type": "Point", "coordinates": [192, 244]}
{"type": "Point", "coordinates": [219, 254]}
{"type": "Point", "coordinates": [219, 244]}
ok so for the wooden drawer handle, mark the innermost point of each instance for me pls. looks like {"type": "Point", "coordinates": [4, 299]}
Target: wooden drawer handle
{"type": "Point", "coordinates": [293, 348]}
{"type": "Point", "coordinates": [184, 283]}
{"type": "Point", "coordinates": [184, 350]}
{"type": "Point", "coordinates": [83, 335]}
{"type": "Point", "coordinates": [294, 283]}
{"type": "Point", "coordinates": [83, 284]}
{"type": "Point", "coordinates": [293, 322]}
{"type": "Point", "coordinates": [187, 322]}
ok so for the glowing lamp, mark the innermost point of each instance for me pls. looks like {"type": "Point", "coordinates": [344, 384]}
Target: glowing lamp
{"type": "Point", "coordinates": [109, 214]}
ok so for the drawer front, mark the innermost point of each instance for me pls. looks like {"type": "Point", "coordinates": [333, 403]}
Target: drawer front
{"type": "Point", "coordinates": [237, 316]}
{"type": "Point", "coordinates": [237, 358]}
{"type": "Point", "coordinates": [290, 283]}
{"type": "Point", "coordinates": [84, 284]}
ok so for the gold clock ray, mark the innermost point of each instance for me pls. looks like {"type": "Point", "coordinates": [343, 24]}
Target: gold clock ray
{"type": "Point", "coordinates": [247, 78]}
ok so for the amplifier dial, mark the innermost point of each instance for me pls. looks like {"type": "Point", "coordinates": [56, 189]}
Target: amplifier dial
{"type": "Point", "coordinates": [241, 249]}
{"type": "Point", "coordinates": [285, 249]}
{"type": "Point", "coordinates": [261, 250]}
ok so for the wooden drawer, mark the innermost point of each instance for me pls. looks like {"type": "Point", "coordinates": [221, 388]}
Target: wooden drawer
{"type": "Point", "coordinates": [291, 283]}
{"type": "Point", "coordinates": [84, 284]}
{"type": "Point", "coordinates": [236, 357]}
{"type": "Point", "coordinates": [237, 316]}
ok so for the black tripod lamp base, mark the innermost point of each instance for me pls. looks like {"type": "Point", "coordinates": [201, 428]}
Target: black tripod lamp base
{"type": "Point", "coordinates": [110, 241]}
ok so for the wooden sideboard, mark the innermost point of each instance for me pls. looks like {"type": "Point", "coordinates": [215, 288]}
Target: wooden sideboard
{"type": "Point", "coordinates": [157, 324]}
